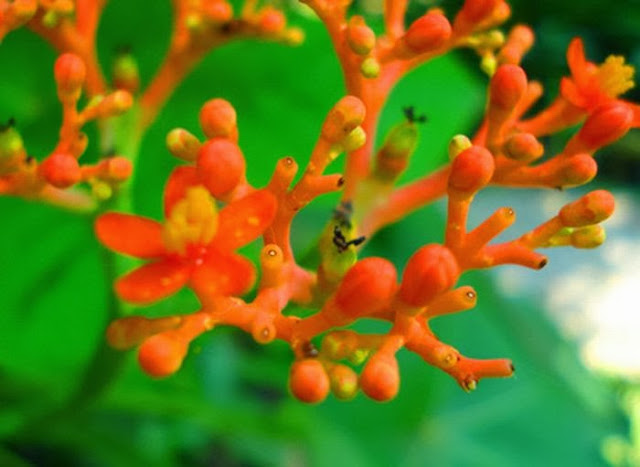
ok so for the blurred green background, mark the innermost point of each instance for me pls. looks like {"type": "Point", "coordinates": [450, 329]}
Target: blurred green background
{"type": "Point", "coordinates": [229, 405]}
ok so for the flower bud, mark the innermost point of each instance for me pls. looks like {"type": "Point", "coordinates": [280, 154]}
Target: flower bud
{"type": "Point", "coordinates": [475, 11]}
{"type": "Point", "coordinates": [605, 125]}
{"type": "Point", "coordinates": [367, 287]}
{"type": "Point", "coordinates": [308, 381]}
{"type": "Point", "coordinates": [591, 236]}
{"type": "Point", "coordinates": [380, 379]}
{"type": "Point", "coordinates": [432, 270]}
{"type": "Point", "coordinates": [523, 147]}
{"type": "Point", "coordinates": [458, 144]}
{"type": "Point", "coordinates": [354, 140]}
{"type": "Point", "coordinates": [220, 165]}
{"type": "Point", "coordinates": [590, 209]}
{"type": "Point", "coordinates": [360, 37]}
{"type": "Point", "coordinates": [183, 144]}
{"type": "Point", "coordinates": [519, 41]}
{"type": "Point", "coordinates": [343, 118]}
{"type": "Point", "coordinates": [578, 170]}
{"type": "Point", "coordinates": [11, 148]}
{"type": "Point", "coordinates": [508, 85]}
{"type": "Point", "coordinates": [370, 67]}
{"type": "Point", "coordinates": [471, 170]}
{"type": "Point", "coordinates": [124, 72]}
{"type": "Point", "coordinates": [271, 21]}
{"type": "Point", "coordinates": [161, 355]}
{"type": "Point", "coordinates": [218, 119]}
{"type": "Point", "coordinates": [428, 33]}
{"type": "Point", "coordinates": [61, 170]}
{"type": "Point", "coordinates": [119, 168]}
{"type": "Point", "coordinates": [217, 11]}
{"type": "Point", "coordinates": [70, 72]}
{"type": "Point", "coordinates": [344, 382]}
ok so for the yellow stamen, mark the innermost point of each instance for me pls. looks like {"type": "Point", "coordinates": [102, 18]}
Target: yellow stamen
{"type": "Point", "coordinates": [615, 76]}
{"type": "Point", "coordinates": [193, 221]}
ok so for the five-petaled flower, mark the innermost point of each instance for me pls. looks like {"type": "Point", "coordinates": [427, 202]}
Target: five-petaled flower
{"type": "Point", "coordinates": [195, 246]}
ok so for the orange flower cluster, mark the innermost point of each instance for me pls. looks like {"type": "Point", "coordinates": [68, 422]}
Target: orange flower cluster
{"type": "Point", "coordinates": [211, 209]}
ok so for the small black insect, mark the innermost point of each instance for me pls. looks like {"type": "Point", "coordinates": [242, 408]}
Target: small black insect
{"type": "Point", "coordinates": [410, 114]}
{"type": "Point", "coordinates": [341, 242]}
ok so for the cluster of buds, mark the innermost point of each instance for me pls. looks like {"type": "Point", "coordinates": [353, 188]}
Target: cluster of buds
{"type": "Point", "coordinates": [47, 179]}
{"type": "Point", "coordinates": [211, 209]}
{"type": "Point", "coordinates": [70, 27]}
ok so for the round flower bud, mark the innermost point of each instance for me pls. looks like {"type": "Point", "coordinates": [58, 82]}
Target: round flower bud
{"type": "Point", "coordinates": [183, 144]}
{"type": "Point", "coordinates": [161, 355]}
{"type": "Point", "coordinates": [471, 170]}
{"type": "Point", "coordinates": [220, 165]}
{"type": "Point", "coordinates": [70, 72]}
{"type": "Point", "coordinates": [119, 168]}
{"type": "Point", "coordinates": [218, 119]}
{"type": "Point", "coordinates": [61, 170]}
{"type": "Point", "coordinates": [360, 37]}
{"type": "Point", "coordinates": [344, 382]}
{"type": "Point", "coordinates": [579, 169]}
{"type": "Point", "coordinates": [367, 287]}
{"type": "Point", "coordinates": [308, 381]}
{"type": "Point", "coordinates": [427, 33]}
{"type": "Point", "coordinates": [591, 236]}
{"type": "Point", "coordinates": [271, 21]}
{"type": "Point", "coordinates": [508, 85]}
{"type": "Point", "coordinates": [523, 147]}
{"type": "Point", "coordinates": [432, 270]}
{"type": "Point", "coordinates": [380, 379]}
{"type": "Point", "coordinates": [590, 209]}
{"type": "Point", "coordinates": [217, 12]}
{"type": "Point", "coordinates": [343, 118]}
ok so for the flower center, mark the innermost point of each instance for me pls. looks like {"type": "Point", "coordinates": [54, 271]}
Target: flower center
{"type": "Point", "coordinates": [615, 77]}
{"type": "Point", "coordinates": [193, 222]}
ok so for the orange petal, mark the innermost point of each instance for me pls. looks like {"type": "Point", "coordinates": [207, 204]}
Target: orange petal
{"type": "Point", "coordinates": [131, 235]}
{"type": "Point", "coordinates": [578, 64]}
{"type": "Point", "coordinates": [223, 274]}
{"type": "Point", "coordinates": [181, 178]}
{"type": "Point", "coordinates": [152, 282]}
{"type": "Point", "coordinates": [244, 220]}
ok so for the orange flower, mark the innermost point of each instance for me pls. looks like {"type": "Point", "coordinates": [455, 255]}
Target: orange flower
{"type": "Point", "coordinates": [195, 246]}
{"type": "Point", "coordinates": [592, 85]}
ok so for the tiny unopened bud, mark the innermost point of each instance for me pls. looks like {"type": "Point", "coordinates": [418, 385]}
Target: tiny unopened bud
{"type": "Point", "coordinates": [125, 73]}
{"type": "Point", "coordinates": [360, 37]}
{"type": "Point", "coordinates": [183, 144]}
{"type": "Point", "coordinates": [218, 119]}
{"type": "Point", "coordinates": [519, 41]}
{"type": "Point", "coordinates": [11, 144]}
{"type": "Point", "coordinates": [61, 170]}
{"type": "Point", "coordinates": [523, 147]}
{"type": "Point", "coordinates": [508, 85]}
{"type": "Point", "coordinates": [367, 287]}
{"type": "Point", "coordinates": [161, 355]}
{"type": "Point", "coordinates": [354, 140]}
{"type": "Point", "coordinates": [308, 381]}
{"type": "Point", "coordinates": [344, 382]}
{"type": "Point", "coordinates": [431, 270]}
{"type": "Point", "coordinates": [578, 170]}
{"type": "Point", "coordinates": [591, 236]}
{"type": "Point", "coordinates": [471, 170]}
{"type": "Point", "coordinates": [115, 103]}
{"type": "Point", "coordinates": [271, 21]}
{"type": "Point", "coordinates": [380, 379]}
{"type": "Point", "coordinates": [217, 11]}
{"type": "Point", "coordinates": [590, 209]}
{"type": "Point", "coordinates": [101, 190]}
{"type": "Point", "coordinates": [220, 165]}
{"type": "Point", "coordinates": [119, 168]}
{"type": "Point", "coordinates": [458, 144]}
{"type": "Point", "coordinates": [370, 67]}
{"type": "Point", "coordinates": [70, 72]}
{"type": "Point", "coordinates": [428, 33]}
{"type": "Point", "coordinates": [343, 118]}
